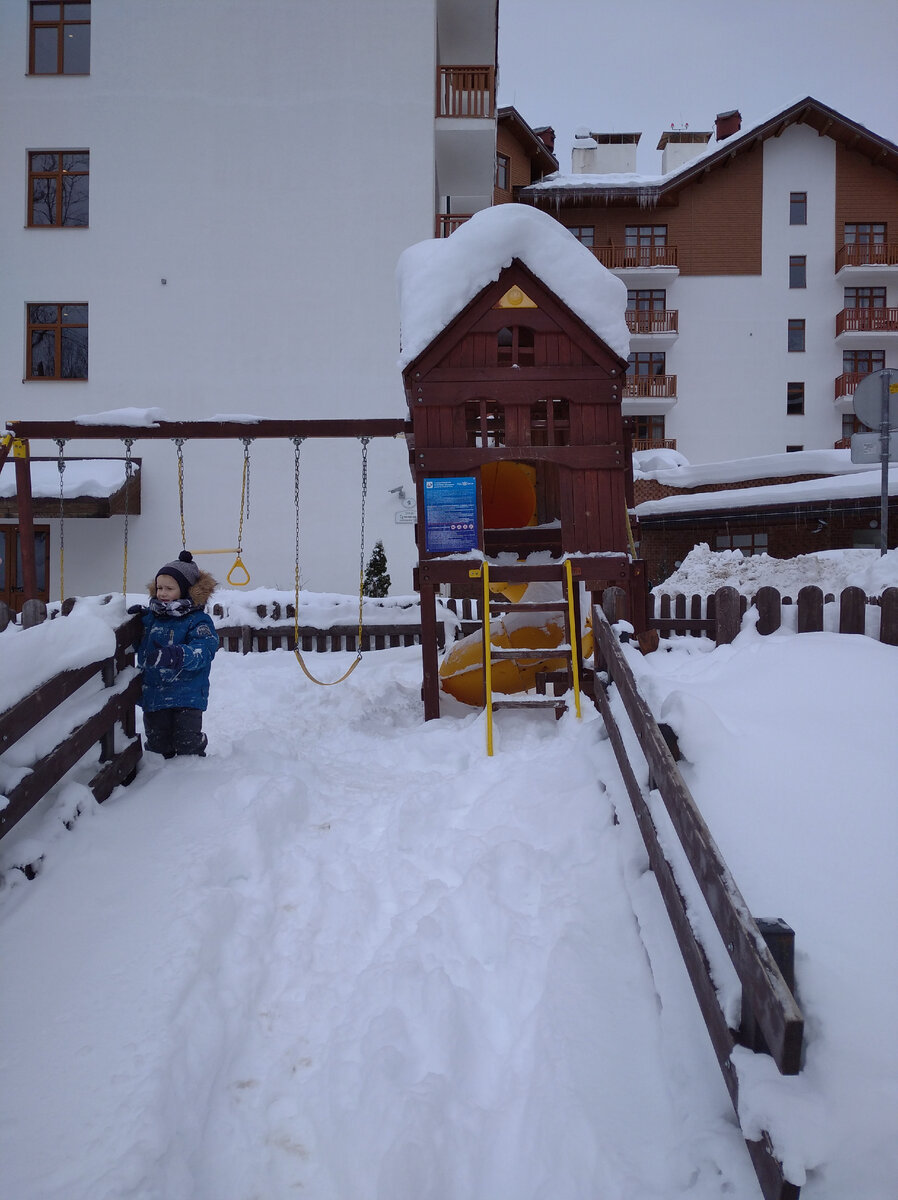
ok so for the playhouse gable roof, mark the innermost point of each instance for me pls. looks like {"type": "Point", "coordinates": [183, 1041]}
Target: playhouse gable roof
{"type": "Point", "coordinates": [440, 277]}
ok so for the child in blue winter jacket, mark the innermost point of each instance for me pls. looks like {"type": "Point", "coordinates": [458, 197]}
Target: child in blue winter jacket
{"type": "Point", "coordinates": [175, 652]}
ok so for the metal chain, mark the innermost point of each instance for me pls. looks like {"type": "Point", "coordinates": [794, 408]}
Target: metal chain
{"type": "Point", "coordinates": [179, 443]}
{"type": "Point", "coordinates": [244, 494]}
{"type": "Point", "coordinates": [60, 464]}
{"type": "Point", "coordinates": [247, 442]}
{"type": "Point", "coordinates": [129, 467]}
{"type": "Point", "coordinates": [297, 444]}
{"type": "Point", "coordinates": [364, 442]}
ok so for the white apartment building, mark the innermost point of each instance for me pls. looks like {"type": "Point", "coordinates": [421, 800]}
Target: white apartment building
{"type": "Point", "coordinates": [201, 210]}
{"type": "Point", "coordinates": [762, 270]}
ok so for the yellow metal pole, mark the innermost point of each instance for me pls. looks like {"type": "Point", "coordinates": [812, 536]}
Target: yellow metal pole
{"type": "Point", "coordinates": [487, 660]}
{"type": "Point", "coordinates": [575, 635]}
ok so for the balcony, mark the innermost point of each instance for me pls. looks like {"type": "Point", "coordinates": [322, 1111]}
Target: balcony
{"type": "Point", "coordinates": [652, 327]}
{"type": "Point", "coordinates": [846, 385]}
{"type": "Point", "coordinates": [854, 324]}
{"type": "Point", "coordinates": [654, 444]}
{"type": "Point", "coordinates": [467, 92]}
{"type": "Point", "coordinates": [649, 395]}
{"type": "Point", "coordinates": [639, 265]}
{"type": "Point", "coordinates": [447, 223]}
{"type": "Point", "coordinates": [867, 262]}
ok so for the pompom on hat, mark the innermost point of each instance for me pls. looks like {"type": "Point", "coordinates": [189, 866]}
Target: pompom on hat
{"type": "Point", "coordinates": [183, 570]}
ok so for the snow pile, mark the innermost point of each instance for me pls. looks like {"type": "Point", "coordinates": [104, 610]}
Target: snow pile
{"type": "Point", "coordinates": [81, 477]}
{"type": "Point", "coordinates": [669, 467]}
{"type": "Point", "coordinates": [704, 571]}
{"type": "Point", "coordinates": [437, 278]}
{"type": "Point", "coordinates": [29, 657]}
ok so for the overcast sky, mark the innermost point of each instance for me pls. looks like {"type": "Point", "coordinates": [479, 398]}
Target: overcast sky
{"type": "Point", "coordinates": [647, 65]}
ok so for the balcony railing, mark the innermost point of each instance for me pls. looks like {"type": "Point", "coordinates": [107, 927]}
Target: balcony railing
{"type": "Point", "coordinates": [652, 321]}
{"type": "Point", "coordinates": [448, 223]}
{"type": "Point", "coordinates": [846, 383]}
{"type": "Point", "coordinates": [623, 258]}
{"type": "Point", "coordinates": [466, 92]}
{"type": "Point", "coordinates": [867, 320]}
{"type": "Point", "coordinates": [654, 443]}
{"type": "Point", "coordinates": [650, 387]}
{"type": "Point", "coordinates": [867, 254]}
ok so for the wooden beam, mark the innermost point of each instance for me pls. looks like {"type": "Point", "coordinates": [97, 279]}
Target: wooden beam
{"type": "Point", "coordinates": [468, 458]}
{"type": "Point", "coordinates": [26, 518]}
{"type": "Point", "coordinates": [263, 428]}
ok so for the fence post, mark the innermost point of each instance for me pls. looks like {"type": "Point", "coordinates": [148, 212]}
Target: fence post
{"type": "Point", "coordinates": [852, 610]}
{"type": "Point", "coordinates": [888, 621]}
{"type": "Point", "coordinates": [768, 604]}
{"type": "Point", "coordinates": [34, 612]}
{"type": "Point", "coordinates": [614, 604]}
{"type": "Point", "coordinates": [6, 615]}
{"type": "Point", "coordinates": [729, 618]}
{"type": "Point", "coordinates": [810, 610]}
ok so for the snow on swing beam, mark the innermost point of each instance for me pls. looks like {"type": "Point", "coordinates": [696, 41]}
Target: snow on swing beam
{"type": "Point", "coordinates": [370, 427]}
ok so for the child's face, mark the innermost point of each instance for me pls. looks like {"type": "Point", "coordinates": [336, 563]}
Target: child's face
{"type": "Point", "coordinates": [167, 589]}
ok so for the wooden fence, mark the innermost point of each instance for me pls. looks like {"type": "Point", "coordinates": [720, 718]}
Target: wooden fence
{"type": "Point", "coordinates": [115, 707]}
{"type": "Point", "coordinates": [768, 1006]}
{"type": "Point", "coordinates": [719, 615]}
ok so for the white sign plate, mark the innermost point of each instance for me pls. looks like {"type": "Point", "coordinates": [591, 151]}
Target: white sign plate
{"type": "Point", "coordinates": [867, 448]}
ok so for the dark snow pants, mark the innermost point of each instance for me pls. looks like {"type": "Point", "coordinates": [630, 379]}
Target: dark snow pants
{"type": "Point", "coordinates": [173, 731]}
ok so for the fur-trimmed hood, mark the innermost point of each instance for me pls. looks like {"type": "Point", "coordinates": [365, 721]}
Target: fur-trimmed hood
{"type": "Point", "coordinates": [199, 593]}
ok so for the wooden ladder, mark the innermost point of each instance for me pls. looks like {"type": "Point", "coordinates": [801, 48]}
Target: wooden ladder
{"type": "Point", "coordinates": [569, 649]}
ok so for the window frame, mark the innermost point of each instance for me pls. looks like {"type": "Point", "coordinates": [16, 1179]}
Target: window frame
{"type": "Point", "coordinates": [59, 23]}
{"type": "Point", "coordinates": [60, 174]}
{"type": "Point", "coordinates": [797, 331]}
{"type": "Point", "coordinates": [877, 359]}
{"type": "Point", "coordinates": [757, 540]}
{"type": "Point", "coordinates": [646, 299]}
{"type": "Point", "coordinates": [865, 297]}
{"type": "Point", "coordinates": [798, 270]}
{"type": "Point", "coordinates": [875, 233]}
{"type": "Point", "coordinates": [651, 359]}
{"type": "Point", "coordinates": [503, 167]}
{"type": "Point", "coordinates": [798, 208]}
{"type": "Point", "coordinates": [56, 326]}
{"type": "Point", "coordinates": [585, 234]}
{"type": "Point", "coordinates": [795, 398]}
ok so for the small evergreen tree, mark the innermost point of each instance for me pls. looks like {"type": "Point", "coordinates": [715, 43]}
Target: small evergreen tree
{"type": "Point", "coordinates": [376, 581]}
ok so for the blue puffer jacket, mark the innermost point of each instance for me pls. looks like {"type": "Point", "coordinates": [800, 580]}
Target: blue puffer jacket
{"type": "Point", "coordinates": [188, 686]}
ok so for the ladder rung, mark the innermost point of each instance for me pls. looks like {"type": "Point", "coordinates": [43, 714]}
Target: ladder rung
{"type": "Point", "coordinates": [543, 652]}
{"type": "Point", "coordinates": [531, 702]}
{"type": "Point", "coordinates": [533, 607]}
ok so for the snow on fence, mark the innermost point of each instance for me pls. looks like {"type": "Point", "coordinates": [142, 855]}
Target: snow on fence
{"type": "Point", "coordinates": [59, 746]}
{"type": "Point", "coordinates": [761, 952]}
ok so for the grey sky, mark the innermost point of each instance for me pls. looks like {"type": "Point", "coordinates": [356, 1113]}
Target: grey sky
{"type": "Point", "coordinates": [647, 65]}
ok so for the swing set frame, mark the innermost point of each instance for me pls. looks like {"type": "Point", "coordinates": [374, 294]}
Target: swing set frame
{"type": "Point", "coordinates": [21, 433]}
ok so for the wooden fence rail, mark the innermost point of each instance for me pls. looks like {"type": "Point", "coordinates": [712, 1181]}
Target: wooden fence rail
{"type": "Point", "coordinates": [719, 615]}
{"type": "Point", "coordinates": [767, 1001]}
{"type": "Point", "coordinates": [115, 708]}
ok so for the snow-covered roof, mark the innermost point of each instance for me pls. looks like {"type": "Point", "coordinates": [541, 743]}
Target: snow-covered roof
{"type": "Point", "coordinates": [439, 277]}
{"type": "Point", "coordinates": [98, 478]}
{"type": "Point", "coordinates": [662, 466]}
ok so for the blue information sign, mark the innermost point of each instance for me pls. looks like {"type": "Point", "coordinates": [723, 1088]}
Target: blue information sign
{"type": "Point", "coordinates": [450, 515]}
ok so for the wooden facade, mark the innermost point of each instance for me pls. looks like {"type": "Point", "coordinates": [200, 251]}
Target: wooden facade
{"type": "Point", "coordinates": [517, 377]}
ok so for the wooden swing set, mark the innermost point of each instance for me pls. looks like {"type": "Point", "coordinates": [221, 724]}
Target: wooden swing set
{"type": "Point", "coordinates": [17, 443]}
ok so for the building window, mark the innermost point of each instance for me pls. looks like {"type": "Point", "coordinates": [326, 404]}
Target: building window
{"type": "Point", "coordinates": [645, 235]}
{"type": "Point", "coordinates": [865, 233]}
{"type": "Point", "coordinates": [852, 425]}
{"type": "Point", "coordinates": [796, 334]}
{"type": "Point", "coordinates": [584, 233]}
{"type": "Point", "coordinates": [57, 341]}
{"type": "Point", "coordinates": [798, 271]}
{"type": "Point", "coordinates": [795, 399]}
{"type": "Point", "coordinates": [862, 362]}
{"type": "Point", "coordinates": [58, 187]}
{"type": "Point", "coordinates": [515, 347]}
{"type": "Point", "coordinates": [646, 299]}
{"type": "Point", "coordinates": [798, 208]}
{"type": "Point", "coordinates": [647, 362]}
{"type": "Point", "coordinates": [748, 543]}
{"type": "Point", "coordinates": [793, 449]}
{"type": "Point", "coordinates": [59, 38]}
{"type": "Point", "coordinates": [12, 575]}
{"type": "Point", "coordinates": [648, 429]}
{"type": "Point", "coordinates": [503, 172]}
{"type": "Point", "coordinates": [865, 297]}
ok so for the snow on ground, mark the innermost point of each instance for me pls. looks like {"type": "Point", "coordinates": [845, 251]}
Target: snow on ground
{"type": "Point", "coordinates": [704, 571]}
{"type": "Point", "coordinates": [349, 956]}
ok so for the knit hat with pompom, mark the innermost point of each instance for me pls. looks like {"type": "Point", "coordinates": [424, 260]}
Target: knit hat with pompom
{"type": "Point", "coordinates": [184, 571]}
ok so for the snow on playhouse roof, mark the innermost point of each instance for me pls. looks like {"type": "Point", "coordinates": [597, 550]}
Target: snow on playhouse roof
{"type": "Point", "coordinates": [437, 278]}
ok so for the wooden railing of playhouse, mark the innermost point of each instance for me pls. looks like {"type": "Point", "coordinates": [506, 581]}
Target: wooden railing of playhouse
{"type": "Point", "coordinates": [768, 1006]}
{"type": "Point", "coordinates": [116, 709]}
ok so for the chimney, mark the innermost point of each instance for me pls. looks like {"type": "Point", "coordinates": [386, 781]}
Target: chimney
{"type": "Point", "coordinates": [604, 153]}
{"type": "Point", "coordinates": [547, 136]}
{"type": "Point", "coordinates": [728, 123]}
{"type": "Point", "coordinates": [679, 146]}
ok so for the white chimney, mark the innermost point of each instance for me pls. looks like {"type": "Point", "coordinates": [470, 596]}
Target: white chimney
{"type": "Point", "coordinates": [604, 153]}
{"type": "Point", "coordinates": [679, 146]}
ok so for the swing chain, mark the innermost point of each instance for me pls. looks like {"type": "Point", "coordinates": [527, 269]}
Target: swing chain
{"type": "Point", "coordinates": [179, 444]}
{"type": "Point", "coordinates": [129, 467]}
{"type": "Point", "coordinates": [297, 445]}
{"type": "Point", "coordinates": [364, 442]}
{"type": "Point", "coordinates": [60, 465]}
{"type": "Point", "coordinates": [244, 494]}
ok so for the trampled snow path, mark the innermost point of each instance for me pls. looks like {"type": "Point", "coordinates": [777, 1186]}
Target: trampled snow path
{"type": "Point", "coordinates": [348, 956]}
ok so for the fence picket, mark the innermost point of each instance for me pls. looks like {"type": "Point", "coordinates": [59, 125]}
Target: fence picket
{"type": "Point", "coordinates": [852, 610]}
{"type": "Point", "coordinates": [810, 610]}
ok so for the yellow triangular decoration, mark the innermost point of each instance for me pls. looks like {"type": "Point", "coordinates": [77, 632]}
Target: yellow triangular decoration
{"type": "Point", "coordinates": [515, 298]}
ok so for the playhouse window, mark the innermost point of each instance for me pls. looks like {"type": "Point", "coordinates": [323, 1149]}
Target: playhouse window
{"type": "Point", "coordinates": [550, 423]}
{"type": "Point", "coordinates": [484, 423]}
{"type": "Point", "coordinates": [515, 347]}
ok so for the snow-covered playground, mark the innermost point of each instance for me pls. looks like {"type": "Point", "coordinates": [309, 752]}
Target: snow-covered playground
{"type": "Point", "coordinates": [348, 956]}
